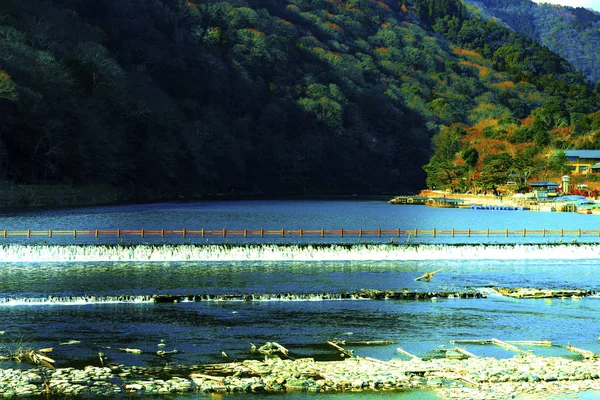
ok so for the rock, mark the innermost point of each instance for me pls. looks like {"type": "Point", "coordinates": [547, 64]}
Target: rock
{"type": "Point", "coordinates": [296, 384]}
{"type": "Point", "coordinates": [134, 387]}
{"type": "Point", "coordinates": [358, 384]}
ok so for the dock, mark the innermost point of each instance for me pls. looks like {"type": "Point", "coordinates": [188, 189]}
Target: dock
{"type": "Point", "coordinates": [501, 208]}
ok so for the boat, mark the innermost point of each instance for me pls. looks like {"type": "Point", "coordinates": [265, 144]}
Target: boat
{"type": "Point", "coordinates": [408, 200]}
{"type": "Point", "coordinates": [443, 202]}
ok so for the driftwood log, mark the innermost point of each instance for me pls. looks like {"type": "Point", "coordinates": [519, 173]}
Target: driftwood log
{"type": "Point", "coordinates": [270, 348]}
{"type": "Point", "coordinates": [427, 276]}
{"type": "Point", "coordinates": [344, 352]}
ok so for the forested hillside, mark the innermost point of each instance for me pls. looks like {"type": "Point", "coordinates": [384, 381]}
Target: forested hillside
{"type": "Point", "coordinates": [571, 32]}
{"type": "Point", "coordinates": [172, 97]}
{"type": "Point", "coordinates": [526, 144]}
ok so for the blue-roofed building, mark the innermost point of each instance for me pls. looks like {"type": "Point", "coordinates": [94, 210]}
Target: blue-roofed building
{"type": "Point", "coordinates": [581, 161]}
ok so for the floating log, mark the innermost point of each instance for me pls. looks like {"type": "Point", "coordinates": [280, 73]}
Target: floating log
{"type": "Point", "coordinates": [474, 341]}
{"type": "Point", "coordinates": [348, 353]}
{"type": "Point", "coordinates": [465, 352]}
{"type": "Point", "coordinates": [406, 353]}
{"type": "Point", "coordinates": [584, 353]}
{"type": "Point", "coordinates": [70, 342]}
{"type": "Point", "coordinates": [132, 351]}
{"type": "Point", "coordinates": [367, 343]}
{"type": "Point", "coordinates": [166, 353]}
{"type": "Point", "coordinates": [273, 347]}
{"type": "Point", "coordinates": [489, 341]}
{"type": "Point", "coordinates": [495, 341]}
{"type": "Point", "coordinates": [427, 276]}
{"type": "Point", "coordinates": [507, 346]}
{"type": "Point", "coordinates": [531, 342]}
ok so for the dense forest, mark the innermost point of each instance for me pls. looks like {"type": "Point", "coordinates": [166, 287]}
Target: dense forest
{"type": "Point", "coordinates": [166, 98]}
{"type": "Point", "coordinates": [571, 32]}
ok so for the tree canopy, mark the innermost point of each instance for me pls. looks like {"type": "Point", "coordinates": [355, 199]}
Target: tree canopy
{"type": "Point", "coordinates": [173, 97]}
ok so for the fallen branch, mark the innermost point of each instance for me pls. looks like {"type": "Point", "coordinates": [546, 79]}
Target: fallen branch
{"type": "Point", "coordinates": [166, 353]}
{"type": "Point", "coordinates": [368, 343]}
{"type": "Point", "coordinates": [584, 353]}
{"type": "Point", "coordinates": [507, 346]}
{"type": "Point", "coordinates": [273, 347]}
{"type": "Point", "coordinates": [132, 351]}
{"type": "Point", "coordinates": [406, 353]}
{"type": "Point", "coordinates": [70, 342]}
{"type": "Point", "coordinates": [207, 377]}
{"type": "Point", "coordinates": [348, 353]}
{"type": "Point", "coordinates": [532, 342]}
{"type": "Point", "coordinates": [427, 276]}
{"type": "Point", "coordinates": [281, 349]}
{"type": "Point", "coordinates": [468, 382]}
{"type": "Point", "coordinates": [34, 357]}
{"type": "Point", "coordinates": [465, 352]}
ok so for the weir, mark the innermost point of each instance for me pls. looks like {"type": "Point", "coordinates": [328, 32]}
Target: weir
{"type": "Point", "coordinates": [283, 232]}
{"type": "Point", "coordinates": [247, 297]}
{"type": "Point", "coordinates": [15, 253]}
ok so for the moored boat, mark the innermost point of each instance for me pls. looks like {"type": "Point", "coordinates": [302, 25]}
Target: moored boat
{"type": "Point", "coordinates": [443, 202]}
{"type": "Point", "coordinates": [409, 200]}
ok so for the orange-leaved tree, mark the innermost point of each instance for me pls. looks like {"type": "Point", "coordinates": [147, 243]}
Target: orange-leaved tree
{"type": "Point", "coordinates": [8, 88]}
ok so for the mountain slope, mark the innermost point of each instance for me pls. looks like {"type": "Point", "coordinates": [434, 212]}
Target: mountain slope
{"type": "Point", "coordinates": [571, 32]}
{"type": "Point", "coordinates": [168, 97]}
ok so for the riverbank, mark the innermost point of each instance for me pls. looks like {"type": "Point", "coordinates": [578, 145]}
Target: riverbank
{"type": "Point", "coordinates": [484, 200]}
{"type": "Point", "coordinates": [475, 378]}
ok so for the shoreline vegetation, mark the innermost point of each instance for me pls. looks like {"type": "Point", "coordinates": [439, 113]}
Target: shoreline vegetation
{"type": "Point", "coordinates": [14, 196]}
{"type": "Point", "coordinates": [472, 377]}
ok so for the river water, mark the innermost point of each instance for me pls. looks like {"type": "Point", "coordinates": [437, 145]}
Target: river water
{"type": "Point", "coordinates": [87, 295]}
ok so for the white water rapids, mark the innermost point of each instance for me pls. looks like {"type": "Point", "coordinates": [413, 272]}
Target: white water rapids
{"type": "Point", "coordinates": [358, 252]}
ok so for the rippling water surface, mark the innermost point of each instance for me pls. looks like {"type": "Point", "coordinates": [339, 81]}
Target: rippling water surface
{"type": "Point", "coordinates": [98, 291]}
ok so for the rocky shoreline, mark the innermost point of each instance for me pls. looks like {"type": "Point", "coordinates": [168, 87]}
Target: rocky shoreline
{"type": "Point", "coordinates": [475, 378]}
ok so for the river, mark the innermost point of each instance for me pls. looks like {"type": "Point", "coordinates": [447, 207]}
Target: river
{"type": "Point", "coordinates": [86, 295]}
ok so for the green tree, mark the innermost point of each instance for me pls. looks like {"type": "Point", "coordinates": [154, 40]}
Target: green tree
{"type": "Point", "coordinates": [524, 166]}
{"type": "Point", "coordinates": [471, 156]}
{"type": "Point", "coordinates": [448, 142]}
{"type": "Point", "coordinates": [442, 170]}
{"type": "Point", "coordinates": [496, 169]}
{"type": "Point", "coordinates": [324, 102]}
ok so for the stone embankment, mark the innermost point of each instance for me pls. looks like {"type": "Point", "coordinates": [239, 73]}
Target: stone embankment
{"type": "Point", "coordinates": [474, 378]}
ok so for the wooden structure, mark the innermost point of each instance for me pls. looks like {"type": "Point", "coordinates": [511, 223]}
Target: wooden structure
{"type": "Point", "coordinates": [415, 200]}
{"type": "Point", "coordinates": [378, 232]}
{"type": "Point", "coordinates": [444, 202]}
